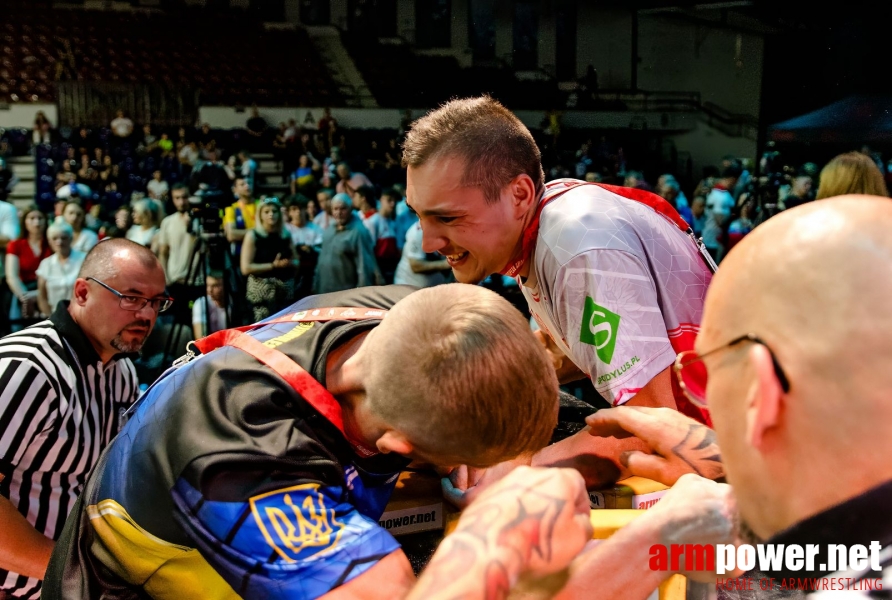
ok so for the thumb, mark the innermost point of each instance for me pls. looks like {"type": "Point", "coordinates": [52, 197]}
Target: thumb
{"type": "Point", "coordinates": [649, 466]}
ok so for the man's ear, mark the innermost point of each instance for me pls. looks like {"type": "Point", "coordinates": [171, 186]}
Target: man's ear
{"type": "Point", "coordinates": [80, 291]}
{"type": "Point", "coordinates": [764, 399]}
{"type": "Point", "coordinates": [523, 194]}
{"type": "Point", "coordinates": [396, 442]}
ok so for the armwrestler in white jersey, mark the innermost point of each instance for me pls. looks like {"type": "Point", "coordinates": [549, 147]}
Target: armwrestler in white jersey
{"type": "Point", "coordinates": [615, 284]}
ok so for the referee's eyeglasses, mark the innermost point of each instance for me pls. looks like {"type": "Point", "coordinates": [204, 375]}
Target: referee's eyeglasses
{"type": "Point", "coordinates": [691, 371]}
{"type": "Point", "coordinates": [135, 303]}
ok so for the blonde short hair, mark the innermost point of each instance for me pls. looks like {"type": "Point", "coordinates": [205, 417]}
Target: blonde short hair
{"type": "Point", "coordinates": [461, 374]}
{"type": "Point", "coordinates": [851, 173]}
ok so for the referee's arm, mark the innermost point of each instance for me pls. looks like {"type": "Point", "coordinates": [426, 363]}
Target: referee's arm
{"type": "Point", "coordinates": [26, 394]}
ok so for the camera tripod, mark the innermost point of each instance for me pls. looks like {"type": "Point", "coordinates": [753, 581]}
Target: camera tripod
{"type": "Point", "coordinates": [209, 253]}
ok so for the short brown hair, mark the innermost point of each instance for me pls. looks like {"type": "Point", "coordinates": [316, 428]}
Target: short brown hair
{"type": "Point", "coordinates": [461, 374]}
{"type": "Point", "coordinates": [494, 144]}
{"type": "Point", "coordinates": [851, 173]}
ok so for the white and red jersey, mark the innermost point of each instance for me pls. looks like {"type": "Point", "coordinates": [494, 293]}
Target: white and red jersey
{"type": "Point", "coordinates": [618, 286]}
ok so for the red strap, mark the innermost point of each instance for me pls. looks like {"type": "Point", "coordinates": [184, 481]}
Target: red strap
{"type": "Point", "coordinates": [295, 375]}
{"type": "Point", "coordinates": [528, 241]}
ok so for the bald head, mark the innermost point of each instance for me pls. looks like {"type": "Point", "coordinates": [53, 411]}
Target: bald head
{"type": "Point", "coordinates": [814, 284]}
{"type": "Point", "coordinates": [101, 261]}
{"type": "Point", "coordinates": [116, 274]}
{"type": "Point", "coordinates": [819, 279]}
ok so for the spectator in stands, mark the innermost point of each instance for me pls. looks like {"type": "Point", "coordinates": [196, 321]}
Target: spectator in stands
{"type": "Point", "coordinates": [109, 172]}
{"type": "Point", "coordinates": [331, 163]}
{"type": "Point", "coordinates": [9, 231]}
{"type": "Point", "coordinates": [256, 127]}
{"type": "Point", "coordinates": [208, 317]}
{"type": "Point", "coordinates": [165, 144]}
{"type": "Point", "coordinates": [188, 155]}
{"type": "Point", "coordinates": [176, 244]}
{"type": "Point", "coordinates": [122, 223]}
{"type": "Point", "coordinates": [23, 256]}
{"type": "Point", "coordinates": [800, 190]}
{"type": "Point", "coordinates": [348, 181]}
{"type": "Point", "coordinates": [157, 188]}
{"type": "Point", "coordinates": [41, 132]}
{"type": "Point", "coordinates": [248, 169]}
{"type": "Point", "coordinates": [326, 121]}
{"type": "Point", "coordinates": [206, 136]}
{"type": "Point", "coordinates": [238, 219]}
{"type": "Point", "coordinates": [743, 224]}
{"type": "Point", "coordinates": [83, 142]}
{"type": "Point", "coordinates": [381, 229]}
{"type": "Point", "coordinates": [323, 219]}
{"type": "Point", "coordinates": [403, 217]}
{"type": "Point", "coordinates": [593, 177]}
{"type": "Point", "coordinates": [269, 261]}
{"type": "Point", "coordinates": [86, 174]}
{"type": "Point", "coordinates": [209, 175]}
{"type": "Point", "coordinates": [121, 126]}
{"type": "Point", "coordinates": [307, 238]}
{"type": "Point", "coordinates": [851, 173]}
{"type": "Point", "coordinates": [149, 142]}
{"type": "Point", "coordinates": [147, 216]}
{"type": "Point", "coordinates": [347, 257]}
{"type": "Point", "coordinates": [64, 176]}
{"type": "Point", "coordinates": [635, 179]}
{"type": "Point", "coordinates": [680, 199]}
{"type": "Point", "coordinates": [669, 189]}
{"type": "Point", "coordinates": [83, 239]}
{"type": "Point", "coordinates": [303, 179]}
{"type": "Point", "coordinates": [303, 231]}
{"type": "Point", "coordinates": [719, 205]}
{"type": "Point", "coordinates": [112, 198]}
{"type": "Point", "coordinates": [418, 268]}
{"type": "Point", "coordinates": [57, 273]}
{"type": "Point", "coordinates": [313, 209]}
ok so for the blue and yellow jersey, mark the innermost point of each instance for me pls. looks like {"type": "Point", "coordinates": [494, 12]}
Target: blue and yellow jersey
{"type": "Point", "coordinates": [226, 483]}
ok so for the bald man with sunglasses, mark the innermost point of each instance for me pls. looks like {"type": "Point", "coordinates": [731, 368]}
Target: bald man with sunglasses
{"type": "Point", "coordinates": [795, 340]}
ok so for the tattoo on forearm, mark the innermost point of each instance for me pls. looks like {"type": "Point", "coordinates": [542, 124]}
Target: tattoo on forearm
{"type": "Point", "coordinates": [488, 536]}
{"type": "Point", "coordinates": [700, 451]}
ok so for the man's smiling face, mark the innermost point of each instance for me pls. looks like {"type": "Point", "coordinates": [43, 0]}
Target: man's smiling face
{"type": "Point", "coordinates": [477, 238]}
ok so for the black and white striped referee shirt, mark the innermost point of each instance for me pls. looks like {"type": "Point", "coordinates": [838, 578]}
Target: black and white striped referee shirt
{"type": "Point", "coordinates": [59, 407]}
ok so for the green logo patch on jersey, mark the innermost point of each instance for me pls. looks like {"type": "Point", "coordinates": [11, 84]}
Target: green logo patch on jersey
{"type": "Point", "coordinates": [599, 329]}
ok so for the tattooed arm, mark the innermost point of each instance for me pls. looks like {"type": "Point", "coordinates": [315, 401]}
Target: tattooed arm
{"type": "Point", "coordinates": [534, 521]}
{"type": "Point", "coordinates": [676, 444]}
{"type": "Point", "coordinates": [694, 511]}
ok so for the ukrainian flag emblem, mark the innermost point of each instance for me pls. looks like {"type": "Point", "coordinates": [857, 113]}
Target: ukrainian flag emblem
{"type": "Point", "coordinates": [296, 522]}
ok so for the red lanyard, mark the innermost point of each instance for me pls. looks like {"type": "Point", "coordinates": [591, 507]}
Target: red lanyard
{"type": "Point", "coordinates": [293, 374]}
{"type": "Point", "coordinates": [531, 233]}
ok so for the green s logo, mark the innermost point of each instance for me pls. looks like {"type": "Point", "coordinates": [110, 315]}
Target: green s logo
{"type": "Point", "coordinates": [599, 329]}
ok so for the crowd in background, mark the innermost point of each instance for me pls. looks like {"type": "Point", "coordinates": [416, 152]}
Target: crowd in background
{"type": "Point", "coordinates": [338, 220]}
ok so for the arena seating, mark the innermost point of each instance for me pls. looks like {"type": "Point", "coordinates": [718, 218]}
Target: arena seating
{"type": "Point", "coordinates": [388, 69]}
{"type": "Point", "coordinates": [235, 62]}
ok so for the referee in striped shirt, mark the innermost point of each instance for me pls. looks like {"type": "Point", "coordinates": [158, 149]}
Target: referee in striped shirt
{"type": "Point", "coordinates": [65, 384]}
